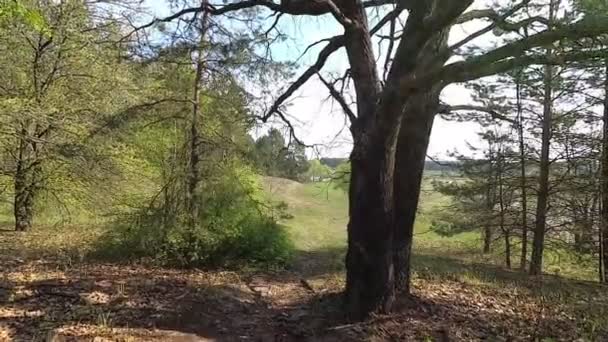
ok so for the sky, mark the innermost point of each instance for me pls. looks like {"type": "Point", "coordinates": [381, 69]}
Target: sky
{"type": "Point", "coordinates": [318, 120]}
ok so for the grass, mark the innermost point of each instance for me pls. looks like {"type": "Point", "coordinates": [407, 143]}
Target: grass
{"type": "Point", "coordinates": [320, 216]}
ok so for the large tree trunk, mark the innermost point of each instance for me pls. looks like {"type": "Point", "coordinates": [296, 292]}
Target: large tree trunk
{"type": "Point", "coordinates": [411, 155]}
{"type": "Point", "coordinates": [369, 263]}
{"type": "Point", "coordinates": [536, 262]}
{"type": "Point", "coordinates": [369, 260]}
{"type": "Point", "coordinates": [604, 189]}
{"type": "Point", "coordinates": [414, 137]}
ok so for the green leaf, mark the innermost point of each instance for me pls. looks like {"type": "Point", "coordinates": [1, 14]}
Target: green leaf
{"type": "Point", "coordinates": [13, 9]}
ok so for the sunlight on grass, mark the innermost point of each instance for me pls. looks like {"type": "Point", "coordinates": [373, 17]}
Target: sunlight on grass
{"type": "Point", "coordinates": [320, 216]}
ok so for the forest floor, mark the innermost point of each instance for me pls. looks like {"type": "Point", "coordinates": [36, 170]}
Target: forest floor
{"type": "Point", "coordinates": [50, 290]}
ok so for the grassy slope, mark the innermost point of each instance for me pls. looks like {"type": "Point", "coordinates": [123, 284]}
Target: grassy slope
{"type": "Point", "coordinates": [320, 218]}
{"type": "Point", "coordinates": [318, 226]}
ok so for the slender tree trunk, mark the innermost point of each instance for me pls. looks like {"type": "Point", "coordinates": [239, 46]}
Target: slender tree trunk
{"type": "Point", "coordinates": [487, 239]}
{"type": "Point", "coordinates": [501, 201]}
{"type": "Point", "coordinates": [604, 188]}
{"type": "Point", "coordinates": [507, 237]}
{"type": "Point", "coordinates": [487, 230]}
{"type": "Point", "coordinates": [194, 177]}
{"type": "Point", "coordinates": [536, 262]}
{"type": "Point", "coordinates": [523, 181]}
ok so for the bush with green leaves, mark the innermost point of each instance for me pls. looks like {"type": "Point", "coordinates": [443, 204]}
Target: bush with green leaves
{"type": "Point", "coordinates": [234, 228]}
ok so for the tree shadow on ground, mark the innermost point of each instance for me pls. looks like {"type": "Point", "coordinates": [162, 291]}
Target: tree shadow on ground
{"type": "Point", "coordinates": [442, 267]}
{"type": "Point", "coordinates": [121, 302]}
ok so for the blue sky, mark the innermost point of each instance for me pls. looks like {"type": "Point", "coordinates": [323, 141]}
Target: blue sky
{"type": "Point", "coordinates": [318, 119]}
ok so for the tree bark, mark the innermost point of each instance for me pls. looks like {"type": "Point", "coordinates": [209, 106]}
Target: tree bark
{"type": "Point", "coordinates": [411, 155]}
{"type": "Point", "coordinates": [412, 145]}
{"type": "Point", "coordinates": [369, 263]}
{"type": "Point", "coordinates": [23, 205]}
{"type": "Point", "coordinates": [369, 260]}
{"type": "Point", "coordinates": [25, 180]}
{"type": "Point", "coordinates": [487, 239]}
{"type": "Point", "coordinates": [536, 262]}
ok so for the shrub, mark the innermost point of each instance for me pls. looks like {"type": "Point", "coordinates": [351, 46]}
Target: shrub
{"type": "Point", "coordinates": [234, 228]}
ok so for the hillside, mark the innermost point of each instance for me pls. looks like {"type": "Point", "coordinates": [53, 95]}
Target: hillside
{"type": "Point", "coordinates": [50, 289]}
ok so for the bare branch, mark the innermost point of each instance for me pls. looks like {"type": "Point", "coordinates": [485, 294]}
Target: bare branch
{"type": "Point", "coordinates": [339, 98]}
{"type": "Point", "coordinates": [501, 20]}
{"type": "Point", "coordinates": [335, 43]}
{"type": "Point", "coordinates": [447, 109]}
{"type": "Point", "coordinates": [488, 28]}
{"type": "Point", "coordinates": [125, 115]}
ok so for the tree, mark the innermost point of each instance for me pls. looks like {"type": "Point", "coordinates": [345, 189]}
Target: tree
{"type": "Point", "coordinates": [14, 9]}
{"type": "Point", "coordinates": [341, 176]}
{"type": "Point", "coordinates": [394, 117]}
{"type": "Point", "coordinates": [599, 9]}
{"type": "Point", "coordinates": [274, 158]}
{"type": "Point", "coordinates": [317, 172]}
{"type": "Point", "coordinates": [55, 89]}
{"type": "Point", "coordinates": [536, 261]}
{"type": "Point", "coordinates": [485, 199]}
